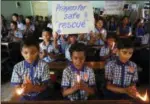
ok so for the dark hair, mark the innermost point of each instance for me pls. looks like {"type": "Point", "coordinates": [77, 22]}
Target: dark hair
{"type": "Point", "coordinates": [14, 23]}
{"type": "Point", "coordinates": [124, 18]}
{"type": "Point", "coordinates": [15, 14]}
{"type": "Point", "coordinates": [125, 43]}
{"type": "Point", "coordinates": [47, 29]}
{"type": "Point", "coordinates": [29, 41]}
{"type": "Point", "coordinates": [111, 35]}
{"type": "Point", "coordinates": [78, 47]}
{"type": "Point", "coordinates": [28, 17]}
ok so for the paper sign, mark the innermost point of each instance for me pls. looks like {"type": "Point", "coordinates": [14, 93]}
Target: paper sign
{"type": "Point", "coordinates": [70, 17]}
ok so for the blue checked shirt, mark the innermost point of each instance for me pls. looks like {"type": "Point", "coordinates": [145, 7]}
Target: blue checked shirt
{"type": "Point", "coordinates": [50, 49]}
{"type": "Point", "coordinates": [120, 74]}
{"type": "Point", "coordinates": [38, 73]}
{"type": "Point", "coordinates": [70, 77]}
{"type": "Point", "coordinates": [105, 51]}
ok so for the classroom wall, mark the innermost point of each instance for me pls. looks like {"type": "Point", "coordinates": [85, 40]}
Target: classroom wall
{"type": "Point", "coordinates": [9, 7]}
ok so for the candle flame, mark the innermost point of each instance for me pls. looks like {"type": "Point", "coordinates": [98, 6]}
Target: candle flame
{"type": "Point", "coordinates": [19, 91]}
{"type": "Point", "coordinates": [129, 34]}
{"type": "Point", "coordinates": [78, 78]}
{"type": "Point", "coordinates": [113, 45]}
{"type": "Point", "coordinates": [143, 98]}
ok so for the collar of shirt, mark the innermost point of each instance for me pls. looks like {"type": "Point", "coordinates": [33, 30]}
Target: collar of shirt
{"type": "Point", "coordinates": [121, 63]}
{"type": "Point", "coordinates": [28, 65]}
{"type": "Point", "coordinates": [48, 43]}
{"type": "Point", "coordinates": [75, 69]}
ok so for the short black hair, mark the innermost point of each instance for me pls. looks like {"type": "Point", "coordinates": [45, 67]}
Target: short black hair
{"type": "Point", "coordinates": [78, 47]}
{"type": "Point", "coordinates": [111, 35]}
{"type": "Point", "coordinates": [47, 29]}
{"type": "Point", "coordinates": [29, 41]}
{"type": "Point", "coordinates": [125, 43]}
{"type": "Point", "coordinates": [15, 14]}
{"type": "Point", "coordinates": [14, 22]}
{"type": "Point", "coordinates": [69, 35]}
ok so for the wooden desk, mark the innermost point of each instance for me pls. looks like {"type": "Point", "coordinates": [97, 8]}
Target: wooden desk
{"type": "Point", "coordinates": [63, 65]}
{"type": "Point", "coordinates": [78, 102]}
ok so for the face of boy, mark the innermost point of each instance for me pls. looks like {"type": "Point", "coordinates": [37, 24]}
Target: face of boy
{"type": "Point", "coordinates": [78, 59]}
{"type": "Point", "coordinates": [73, 39]}
{"type": "Point", "coordinates": [125, 54]}
{"type": "Point", "coordinates": [14, 18]}
{"type": "Point", "coordinates": [46, 36]}
{"type": "Point", "coordinates": [99, 24]}
{"type": "Point", "coordinates": [110, 41]}
{"type": "Point", "coordinates": [12, 26]}
{"type": "Point", "coordinates": [30, 54]}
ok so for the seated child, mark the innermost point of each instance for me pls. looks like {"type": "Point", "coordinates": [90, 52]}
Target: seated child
{"type": "Point", "coordinates": [14, 35]}
{"type": "Point", "coordinates": [48, 48]}
{"type": "Point", "coordinates": [78, 80]}
{"type": "Point", "coordinates": [71, 39]}
{"type": "Point", "coordinates": [31, 75]}
{"type": "Point", "coordinates": [121, 74]}
{"type": "Point", "coordinates": [109, 50]}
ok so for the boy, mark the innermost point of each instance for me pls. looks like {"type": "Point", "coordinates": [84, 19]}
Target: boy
{"type": "Point", "coordinates": [31, 75]}
{"type": "Point", "coordinates": [72, 39]}
{"type": "Point", "coordinates": [78, 80]}
{"type": "Point", "coordinates": [108, 51]}
{"type": "Point", "coordinates": [121, 74]}
{"type": "Point", "coordinates": [48, 48]}
{"type": "Point", "coordinates": [14, 35]}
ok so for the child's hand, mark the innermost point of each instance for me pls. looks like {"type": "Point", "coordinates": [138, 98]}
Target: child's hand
{"type": "Point", "coordinates": [27, 85]}
{"type": "Point", "coordinates": [83, 85]}
{"type": "Point", "coordinates": [76, 86]}
{"type": "Point", "coordinates": [131, 91]}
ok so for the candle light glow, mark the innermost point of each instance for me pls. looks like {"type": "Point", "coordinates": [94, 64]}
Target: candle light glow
{"type": "Point", "coordinates": [143, 98]}
{"type": "Point", "coordinates": [19, 91]}
{"type": "Point", "coordinates": [78, 78]}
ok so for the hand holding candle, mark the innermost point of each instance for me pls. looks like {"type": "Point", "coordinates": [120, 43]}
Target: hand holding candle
{"type": "Point", "coordinates": [19, 91]}
{"type": "Point", "coordinates": [113, 45]}
{"type": "Point", "coordinates": [78, 78]}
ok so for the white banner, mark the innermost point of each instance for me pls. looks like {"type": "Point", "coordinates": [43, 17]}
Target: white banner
{"type": "Point", "coordinates": [70, 17]}
{"type": "Point", "coordinates": [114, 7]}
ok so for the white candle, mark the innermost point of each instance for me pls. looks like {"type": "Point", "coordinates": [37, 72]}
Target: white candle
{"type": "Point", "coordinates": [113, 46]}
{"type": "Point", "coordinates": [19, 91]}
{"type": "Point", "coordinates": [78, 78]}
{"type": "Point", "coordinates": [129, 34]}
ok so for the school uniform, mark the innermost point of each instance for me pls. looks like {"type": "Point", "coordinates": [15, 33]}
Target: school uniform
{"type": "Point", "coordinates": [105, 51]}
{"type": "Point", "coordinates": [38, 73]}
{"type": "Point", "coordinates": [120, 74]}
{"type": "Point", "coordinates": [69, 78]}
{"type": "Point", "coordinates": [67, 52]}
{"type": "Point", "coordinates": [125, 31]}
{"type": "Point", "coordinates": [100, 41]}
{"type": "Point", "coordinates": [11, 35]}
{"type": "Point", "coordinates": [49, 49]}
{"type": "Point", "coordinates": [28, 31]}
{"type": "Point", "coordinates": [139, 32]}
{"type": "Point", "coordinates": [20, 26]}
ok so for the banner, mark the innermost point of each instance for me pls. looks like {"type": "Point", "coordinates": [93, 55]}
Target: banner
{"type": "Point", "coordinates": [70, 17]}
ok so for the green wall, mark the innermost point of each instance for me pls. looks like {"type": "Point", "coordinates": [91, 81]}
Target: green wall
{"type": "Point", "coordinates": [9, 7]}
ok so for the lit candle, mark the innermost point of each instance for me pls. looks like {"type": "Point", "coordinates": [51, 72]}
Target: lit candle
{"type": "Point", "coordinates": [19, 91]}
{"type": "Point", "coordinates": [78, 78]}
{"type": "Point", "coordinates": [143, 98]}
{"type": "Point", "coordinates": [113, 46]}
{"type": "Point", "coordinates": [129, 34]}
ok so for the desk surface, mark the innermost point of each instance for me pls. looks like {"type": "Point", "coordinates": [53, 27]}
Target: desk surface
{"type": "Point", "coordinates": [77, 102]}
{"type": "Point", "coordinates": [62, 65]}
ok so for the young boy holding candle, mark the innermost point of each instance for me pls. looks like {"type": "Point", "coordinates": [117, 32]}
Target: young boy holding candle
{"type": "Point", "coordinates": [108, 51]}
{"type": "Point", "coordinates": [121, 74]}
{"type": "Point", "coordinates": [30, 76]}
{"type": "Point", "coordinates": [78, 80]}
{"type": "Point", "coordinates": [48, 48]}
